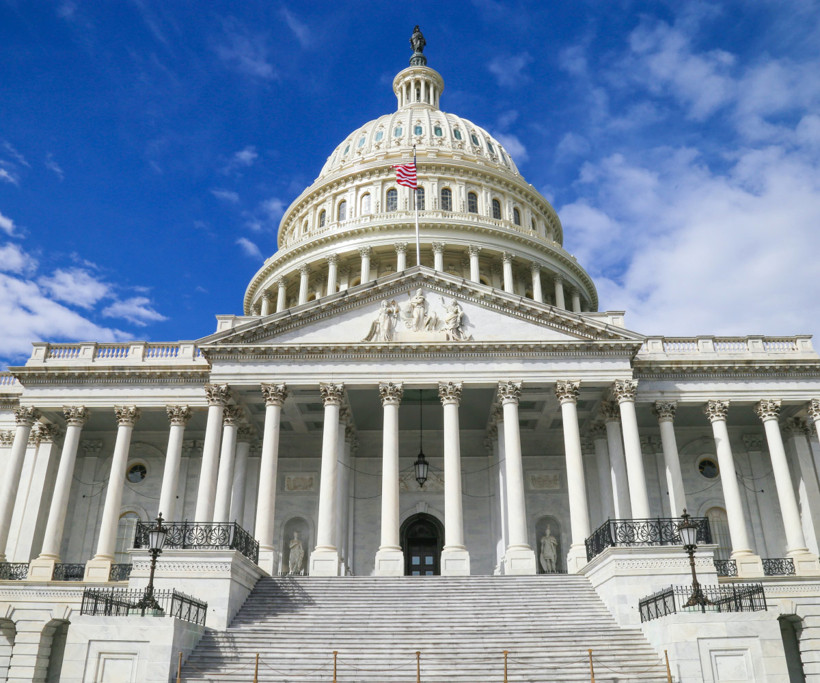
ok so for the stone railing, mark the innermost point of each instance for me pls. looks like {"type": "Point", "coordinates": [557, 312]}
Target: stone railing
{"type": "Point", "coordinates": [116, 354]}
{"type": "Point", "coordinates": [708, 348]}
{"type": "Point", "coordinates": [8, 380]}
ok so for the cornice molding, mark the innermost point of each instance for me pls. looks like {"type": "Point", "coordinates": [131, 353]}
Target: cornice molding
{"type": "Point", "coordinates": [121, 375]}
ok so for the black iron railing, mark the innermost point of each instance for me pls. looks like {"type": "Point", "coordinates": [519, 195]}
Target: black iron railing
{"type": "Point", "coordinates": [202, 535]}
{"type": "Point", "coordinates": [68, 572]}
{"type": "Point", "coordinates": [13, 571]}
{"type": "Point", "coordinates": [778, 566]}
{"type": "Point", "coordinates": [121, 602]}
{"type": "Point", "coordinates": [726, 567]}
{"type": "Point", "coordinates": [731, 597]}
{"type": "Point", "coordinates": [636, 532]}
{"type": "Point", "coordinates": [120, 572]}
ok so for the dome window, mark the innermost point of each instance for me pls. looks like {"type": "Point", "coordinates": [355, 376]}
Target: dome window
{"type": "Point", "coordinates": [490, 147]}
{"type": "Point", "coordinates": [347, 149]}
{"type": "Point", "coordinates": [456, 133]}
{"type": "Point", "coordinates": [532, 223]}
{"type": "Point", "coordinates": [446, 199]}
{"type": "Point", "coordinates": [420, 199]}
{"type": "Point", "coordinates": [379, 135]}
{"type": "Point", "coordinates": [361, 141]}
{"type": "Point", "coordinates": [322, 217]}
{"type": "Point", "coordinates": [397, 133]}
{"type": "Point", "coordinates": [516, 217]}
{"type": "Point", "coordinates": [472, 202]}
{"type": "Point", "coordinates": [474, 138]}
{"type": "Point", "coordinates": [437, 131]}
{"type": "Point", "coordinates": [392, 200]}
{"type": "Point", "coordinates": [341, 212]}
{"type": "Point", "coordinates": [365, 204]}
{"type": "Point", "coordinates": [496, 209]}
{"type": "Point", "coordinates": [418, 130]}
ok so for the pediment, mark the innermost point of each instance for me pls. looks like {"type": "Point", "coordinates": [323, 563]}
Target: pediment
{"type": "Point", "coordinates": [420, 306]}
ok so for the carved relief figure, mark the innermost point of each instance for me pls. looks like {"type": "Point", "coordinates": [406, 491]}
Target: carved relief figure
{"type": "Point", "coordinates": [454, 323]}
{"type": "Point", "coordinates": [296, 559]}
{"type": "Point", "coordinates": [549, 551]}
{"type": "Point", "coordinates": [417, 312]}
{"type": "Point", "coordinates": [384, 325]}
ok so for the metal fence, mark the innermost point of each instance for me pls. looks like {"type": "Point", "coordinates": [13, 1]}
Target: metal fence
{"type": "Point", "coordinates": [778, 566]}
{"type": "Point", "coordinates": [733, 597]}
{"type": "Point", "coordinates": [726, 567]}
{"type": "Point", "coordinates": [120, 572]}
{"type": "Point", "coordinates": [121, 602]}
{"type": "Point", "coordinates": [68, 572]}
{"type": "Point", "coordinates": [13, 571]}
{"type": "Point", "coordinates": [229, 536]}
{"type": "Point", "coordinates": [642, 532]}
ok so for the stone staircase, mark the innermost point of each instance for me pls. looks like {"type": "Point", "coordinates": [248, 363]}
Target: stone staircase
{"type": "Point", "coordinates": [461, 626]}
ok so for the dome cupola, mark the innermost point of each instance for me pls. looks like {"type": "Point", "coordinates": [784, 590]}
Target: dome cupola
{"type": "Point", "coordinates": [418, 85]}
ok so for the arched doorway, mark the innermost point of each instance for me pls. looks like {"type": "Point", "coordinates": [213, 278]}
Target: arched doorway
{"type": "Point", "coordinates": [422, 538]}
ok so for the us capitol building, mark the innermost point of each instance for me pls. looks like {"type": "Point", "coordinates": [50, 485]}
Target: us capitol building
{"type": "Point", "coordinates": [470, 414]}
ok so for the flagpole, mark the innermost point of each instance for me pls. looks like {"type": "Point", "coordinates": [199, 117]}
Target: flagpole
{"type": "Point", "coordinates": [416, 204]}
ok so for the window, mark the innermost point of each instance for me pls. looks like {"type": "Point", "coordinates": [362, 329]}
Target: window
{"type": "Point", "coordinates": [473, 137]}
{"type": "Point", "coordinates": [496, 208]}
{"type": "Point", "coordinates": [397, 132]}
{"type": "Point", "coordinates": [365, 204]}
{"type": "Point", "coordinates": [516, 217]}
{"type": "Point", "coordinates": [708, 468]}
{"type": "Point", "coordinates": [305, 227]}
{"type": "Point", "coordinates": [379, 135]}
{"type": "Point", "coordinates": [418, 130]}
{"type": "Point", "coordinates": [361, 141]}
{"type": "Point", "coordinates": [437, 131]}
{"type": "Point", "coordinates": [342, 211]}
{"type": "Point", "coordinates": [392, 200]}
{"type": "Point", "coordinates": [472, 202]}
{"type": "Point", "coordinates": [322, 216]}
{"type": "Point", "coordinates": [136, 473]}
{"type": "Point", "coordinates": [446, 199]}
{"type": "Point", "coordinates": [347, 149]}
{"type": "Point", "coordinates": [490, 147]}
{"type": "Point", "coordinates": [532, 224]}
{"type": "Point", "coordinates": [456, 133]}
{"type": "Point", "coordinates": [420, 198]}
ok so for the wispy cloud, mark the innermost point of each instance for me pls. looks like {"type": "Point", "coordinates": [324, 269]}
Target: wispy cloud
{"type": "Point", "coordinates": [246, 52]}
{"type": "Point", "coordinates": [19, 158]}
{"type": "Point", "coordinates": [509, 69]}
{"type": "Point", "coordinates": [8, 177]}
{"type": "Point", "coordinates": [225, 195]}
{"type": "Point", "coordinates": [249, 248]}
{"type": "Point", "coordinates": [14, 260]}
{"type": "Point", "coordinates": [514, 146]}
{"type": "Point", "coordinates": [301, 30]}
{"type": "Point", "coordinates": [6, 225]}
{"type": "Point", "coordinates": [75, 286]}
{"type": "Point", "coordinates": [137, 310]}
{"type": "Point", "coordinates": [53, 166]}
{"type": "Point", "coordinates": [244, 158]}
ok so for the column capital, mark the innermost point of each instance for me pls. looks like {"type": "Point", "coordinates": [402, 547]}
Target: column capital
{"type": "Point", "coordinates": [625, 389]}
{"type": "Point", "coordinates": [650, 444]}
{"type": "Point", "coordinates": [127, 416]}
{"type": "Point", "coordinates": [245, 433]}
{"type": "Point", "coordinates": [767, 409]}
{"type": "Point", "coordinates": [567, 390]}
{"type": "Point", "coordinates": [665, 410]}
{"type": "Point", "coordinates": [814, 409]}
{"type": "Point", "coordinates": [401, 247]}
{"type": "Point", "coordinates": [232, 415]}
{"type": "Point", "coordinates": [507, 257]}
{"type": "Point", "coordinates": [274, 394]}
{"type": "Point", "coordinates": [189, 446]}
{"type": "Point", "coordinates": [266, 296]}
{"type": "Point", "coordinates": [535, 268]}
{"type": "Point", "coordinates": [610, 411]}
{"type": "Point", "coordinates": [391, 393]}
{"type": "Point", "coordinates": [178, 415]}
{"type": "Point", "coordinates": [26, 416]}
{"type": "Point", "coordinates": [716, 410]}
{"type": "Point", "coordinates": [46, 433]}
{"type": "Point", "coordinates": [75, 415]}
{"type": "Point", "coordinates": [558, 278]}
{"type": "Point", "coordinates": [597, 431]}
{"type": "Point", "coordinates": [6, 437]}
{"type": "Point", "coordinates": [509, 392]}
{"type": "Point", "coordinates": [304, 269]}
{"type": "Point", "coordinates": [92, 447]}
{"type": "Point", "coordinates": [753, 442]}
{"type": "Point", "coordinates": [365, 251]}
{"type": "Point", "coordinates": [332, 259]}
{"type": "Point", "coordinates": [280, 283]}
{"type": "Point", "coordinates": [449, 393]}
{"type": "Point", "coordinates": [332, 394]}
{"type": "Point", "coordinates": [438, 247]}
{"type": "Point", "coordinates": [217, 394]}
{"type": "Point", "coordinates": [796, 426]}
{"type": "Point", "coordinates": [474, 249]}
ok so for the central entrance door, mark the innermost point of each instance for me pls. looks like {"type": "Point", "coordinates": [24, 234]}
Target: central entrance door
{"type": "Point", "coordinates": [422, 538]}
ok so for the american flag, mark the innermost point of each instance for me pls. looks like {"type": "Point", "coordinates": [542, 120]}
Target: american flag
{"type": "Point", "coordinates": [406, 175]}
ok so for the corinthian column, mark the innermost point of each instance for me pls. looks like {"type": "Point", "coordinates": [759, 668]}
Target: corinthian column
{"type": "Point", "coordinates": [274, 395]}
{"type": "Point", "coordinates": [559, 292]}
{"type": "Point", "coordinates": [281, 294]}
{"type": "Point", "coordinates": [748, 563]}
{"type": "Point", "coordinates": [455, 560]}
{"type": "Point", "coordinates": [227, 457]}
{"type": "Point", "coordinates": [304, 283]}
{"type": "Point", "coordinates": [624, 391]}
{"type": "Point", "coordinates": [506, 260]}
{"type": "Point", "coordinates": [390, 558]}
{"type": "Point", "coordinates": [474, 268]}
{"type": "Point", "coordinates": [332, 266]}
{"type": "Point", "coordinates": [25, 418]}
{"type": "Point", "coordinates": [401, 256]}
{"type": "Point", "coordinates": [438, 256]}
{"type": "Point", "coordinates": [519, 558]}
{"type": "Point", "coordinates": [218, 395]}
{"type": "Point", "coordinates": [98, 568]}
{"type": "Point", "coordinates": [537, 293]}
{"type": "Point", "coordinates": [567, 393]}
{"type": "Point", "coordinates": [797, 433]}
{"type": "Point", "coordinates": [42, 568]}
{"type": "Point", "coordinates": [179, 416]}
{"type": "Point", "coordinates": [365, 252]}
{"type": "Point", "coordinates": [665, 412]}
{"type": "Point", "coordinates": [599, 441]}
{"type": "Point", "coordinates": [324, 560]}
{"type": "Point", "coordinates": [617, 462]}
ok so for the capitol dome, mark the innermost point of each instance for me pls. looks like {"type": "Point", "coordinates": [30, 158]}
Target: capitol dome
{"type": "Point", "coordinates": [478, 217]}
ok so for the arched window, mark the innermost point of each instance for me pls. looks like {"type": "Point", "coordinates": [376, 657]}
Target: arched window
{"type": "Point", "coordinates": [420, 199]}
{"type": "Point", "coordinates": [392, 200]}
{"type": "Point", "coordinates": [342, 211]}
{"type": "Point", "coordinates": [365, 204]}
{"type": "Point", "coordinates": [322, 217]}
{"type": "Point", "coordinates": [472, 202]}
{"type": "Point", "coordinates": [516, 217]}
{"type": "Point", "coordinates": [496, 208]}
{"type": "Point", "coordinates": [446, 199]}
{"type": "Point", "coordinates": [305, 227]}
{"type": "Point", "coordinates": [532, 223]}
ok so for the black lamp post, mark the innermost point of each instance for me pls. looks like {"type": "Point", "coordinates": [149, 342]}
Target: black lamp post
{"type": "Point", "coordinates": [156, 541]}
{"type": "Point", "coordinates": [689, 535]}
{"type": "Point", "coordinates": [421, 465]}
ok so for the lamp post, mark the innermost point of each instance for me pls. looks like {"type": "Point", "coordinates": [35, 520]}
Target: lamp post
{"type": "Point", "coordinates": [421, 465]}
{"type": "Point", "coordinates": [156, 540]}
{"type": "Point", "coordinates": [689, 535]}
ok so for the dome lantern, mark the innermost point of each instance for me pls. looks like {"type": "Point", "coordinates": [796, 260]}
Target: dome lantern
{"type": "Point", "coordinates": [418, 85]}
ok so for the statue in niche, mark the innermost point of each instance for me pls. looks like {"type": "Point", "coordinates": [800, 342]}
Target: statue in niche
{"type": "Point", "coordinates": [454, 323]}
{"type": "Point", "coordinates": [384, 325]}
{"type": "Point", "coordinates": [549, 551]}
{"type": "Point", "coordinates": [417, 41]}
{"type": "Point", "coordinates": [419, 320]}
{"type": "Point", "coordinates": [296, 559]}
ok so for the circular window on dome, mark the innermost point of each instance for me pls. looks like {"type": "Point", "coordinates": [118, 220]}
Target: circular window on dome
{"type": "Point", "coordinates": [418, 130]}
{"type": "Point", "coordinates": [437, 131]}
{"type": "Point", "coordinates": [136, 473]}
{"type": "Point", "coordinates": [397, 133]}
{"type": "Point", "coordinates": [379, 135]}
{"type": "Point", "coordinates": [457, 134]}
{"type": "Point", "coordinates": [708, 468]}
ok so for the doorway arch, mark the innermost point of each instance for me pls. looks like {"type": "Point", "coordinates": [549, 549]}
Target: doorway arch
{"type": "Point", "coordinates": [422, 538]}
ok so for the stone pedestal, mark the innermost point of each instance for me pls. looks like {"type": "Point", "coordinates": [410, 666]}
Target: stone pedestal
{"type": "Point", "coordinates": [324, 562]}
{"type": "Point", "coordinates": [749, 565]}
{"type": "Point", "coordinates": [576, 559]}
{"type": "Point", "coordinates": [519, 562]}
{"type": "Point", "coordinates": [455, 562]}
{"type": "Point", "coordinates": [389, 563]}
{"type": "Point", "coordinates": [269, 560]}
{"type": "Point", "coordinates": [97, 570]}
{"type": "Point", "coordinates": [41, 569]}
{"type": "Point", "coordinates": [805, 564]}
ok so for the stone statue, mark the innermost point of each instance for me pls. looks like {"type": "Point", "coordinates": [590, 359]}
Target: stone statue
{"type": "Point", "coordinates": [296, 559]}
{"type": "Point", "coordinates": [454, 323]}
{"type": "Point", "coordinates": [384, 325]}
{"type": "Point", "coordinates": [549, 551]}
{"type": "Point", "coordinates": [417, 41]}
{"type": "Point", "coordinates": [417, 314]}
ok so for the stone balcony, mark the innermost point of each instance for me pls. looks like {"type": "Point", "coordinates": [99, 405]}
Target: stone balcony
{"type": "Point", "coordinates": [711, 348]}
{"type": "Point", "coordinates": [127, 353]}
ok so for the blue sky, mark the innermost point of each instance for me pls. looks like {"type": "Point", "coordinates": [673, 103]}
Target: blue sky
{"type": "Point", "coordinates": [148, 149]}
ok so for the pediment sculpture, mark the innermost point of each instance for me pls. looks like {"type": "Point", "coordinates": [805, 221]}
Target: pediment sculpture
{"type": "Point", "coordinates": [416, 321]}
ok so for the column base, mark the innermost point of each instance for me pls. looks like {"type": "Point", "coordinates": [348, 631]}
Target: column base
{"type": "Point", "coordinates": [41, 569]}
{"type": "Point", "coordinates": [805, 563]}
{"type": "Point", "coordinates": [576, 558]}
{"type": "Point", "coordinates": [324, 562]}
{"type": "Point", "coordinates": [749, 565]}
{"type": "Point", "coordinates": [455, 562]}
{"type": "Point", "coordinates": [519, 562]}
{"type": "Point", "coordinates": [389, 562]}
{"type": "Point", "coordinates": [97, 570]}
{"type": "Point", "coordinates": [268, 560]}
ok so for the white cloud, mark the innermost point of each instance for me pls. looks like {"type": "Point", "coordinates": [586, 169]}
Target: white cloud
{"type": "Point", "coordinates": [572, 145]}
{"type": "Point", "coordinates": [17, 156]}
{"type": "Point", "coordinates": [246, 52]}
{"type": "Point", "coordinates": [75, 286]}
{"type": "Point", "coordinates": [244, 158]}
{"type": "Point", "coordinates": [14, 260]}
{"type": "Point", "coordinates": [249, 247]}
{"type": "Point", "coordinates": [299, 28]}
{"type": "Point", "coordinates": [137, 310]}
{"type": "Point", "coordinates": [53, 166]}
{"type": "Point", "coordinates": [273, 208]}
{"type": "Point", "coordinates": [6, 224]}
{"type": "Point", "coordinates": [225, 195]}
{"type": "Point", "coordinates": [514, 146]}
{"type": "Point", "coordinates": [8, 177]}
{"type": "Point", "coordinates": [509, 69]}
